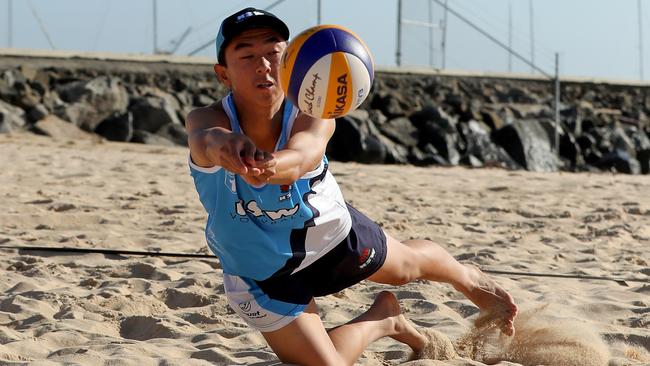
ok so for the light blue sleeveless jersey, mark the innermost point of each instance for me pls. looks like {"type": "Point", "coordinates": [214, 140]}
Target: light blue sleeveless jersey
{"type": "Point", "coordinates": [260, 232]}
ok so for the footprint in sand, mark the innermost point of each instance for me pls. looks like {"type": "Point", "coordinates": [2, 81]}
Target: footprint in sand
{"type": "Point", "coordinates": [61, 207]}
{"type": "Point", "coordinates": [142, 328]}
{"type": "Point", "coordinates": [175, 299]}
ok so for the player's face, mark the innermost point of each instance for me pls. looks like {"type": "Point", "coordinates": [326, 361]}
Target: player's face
{"type": "Point", "coordinates": [253, 64]}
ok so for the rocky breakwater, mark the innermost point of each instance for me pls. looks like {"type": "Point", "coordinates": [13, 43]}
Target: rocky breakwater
{"type": "Point", "coordinates": [416, 118]}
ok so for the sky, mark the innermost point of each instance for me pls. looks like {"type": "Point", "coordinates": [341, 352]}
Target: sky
{"type": "Point", "coordinates": [593, 38]}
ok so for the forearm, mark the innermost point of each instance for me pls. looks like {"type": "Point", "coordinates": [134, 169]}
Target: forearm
{"type": "Point", "coordinates": [207, 145]}
{"type": "Point", "coordinates": [291, 165]}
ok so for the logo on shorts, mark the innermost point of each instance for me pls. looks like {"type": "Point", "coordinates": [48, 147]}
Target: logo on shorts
{"type": "Point", "coordinates": [366, 257]}
{"type": "Point", "coordinates": [245, 306]}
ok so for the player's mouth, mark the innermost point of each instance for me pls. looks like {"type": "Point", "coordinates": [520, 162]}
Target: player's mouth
{"type": "Point", "coordinates": [265, 85]}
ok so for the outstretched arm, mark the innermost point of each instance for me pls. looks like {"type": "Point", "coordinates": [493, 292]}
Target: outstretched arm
{"type": "Point", "coordinates": [213, 144]}
{"type": "Point", "coordinates": [304, 150]}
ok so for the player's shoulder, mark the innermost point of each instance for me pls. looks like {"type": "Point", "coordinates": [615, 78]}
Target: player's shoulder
{"type": "Point", "coordinates": [212, 115]}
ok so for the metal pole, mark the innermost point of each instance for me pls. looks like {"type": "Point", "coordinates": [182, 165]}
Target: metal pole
{"type": "Point", "coordinates": [493, 39]}
{"type": "Point", "coordinates": [532, 34]}
{"type": "Point", "coordinates": [41, 24]}
{"type": "Point", "coordinates": [509, 36]}
{"type": "Point", "coordinates": [640, 11]}
{"type": "Point", "coordinates": [398, 52]}
{"type": "Point", "coordinates": [557, 106]}
{"type": "Point", "coordinates": [10, 24]}
{"type": "Point", "coordinates": [155, 26]}
{"type": "Point", "coordinates": [444, 38]}
{"type": "Point", "coordinates": [430, 33]}
{"type": "Point", "coordinates": [319, 11]}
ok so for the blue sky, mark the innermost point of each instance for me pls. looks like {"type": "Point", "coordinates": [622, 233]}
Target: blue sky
{"type": "Point", "coordinates": [595, 38]}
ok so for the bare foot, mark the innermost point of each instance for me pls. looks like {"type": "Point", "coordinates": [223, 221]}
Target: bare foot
{"type": "Point", "coordinates": [386, 306]}
{"type": "Point", "coordinates": [495, 303]}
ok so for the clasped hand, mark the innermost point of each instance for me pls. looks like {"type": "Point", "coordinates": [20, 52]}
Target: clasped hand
{"type": "Point", "coordinates": [239, 155]}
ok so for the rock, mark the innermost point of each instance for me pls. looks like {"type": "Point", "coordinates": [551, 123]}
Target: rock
{"type": "Point", "coordinates": [354, 140]}
{"type": "Point", "coordinates": [520, 95]}
{"type": "Point", "coordinates": [492, 119]}
{"type": "Point", "coordinates": [37, 113]}
{"type": "Point", "coordinates": [592, 156]}
{"type": "Point", "coordinates": [619, 161]}
{"type": "Point", "coordinates": [640, 139]}
{"type": "Point", "coordinates": [8, 80]}
{"type": "Point", "coordinates": [16, 90]}
{"type": "Point", "coordinates": [427, 156]}
{"type": "Point", "coordinates": [528, 144]}
{"type": "Point", "coordinates": [11, 117]}
{"type": "Point", "coordinates": [146, 137]}
{"type": "Point", "coordinates": [51, 101]}
{"type": "Point", "coordinates": [472, 161]}
{"type": "Point", "coordinates": [395, 153]}
{"type": "Point", "coordinates": [401, 130]}
{"type": "Point", "coordinates": [570, 150]}
{"type": "Point", "coordinates": [202, 100]}
{"type": "Point", "coordinates": [621, 141]}
{"type": "Point", "coordinates": [72, 92]}
{"type": "Point", "coordinates": [429, 113]}
{"type": "Point", "coordinates": [27, 97]}
{"type": "Point", "coordinates": [41, 81]}
{"type": "Point", "coordinates": [377, 117]}
{"type": "Point", "coordinates": [643, 156]}
{"type": "Point", "coordinates": [390, 103]}
{"type": "Point", "coordinates": [117, 128]}
{"type": "Point", "coordinates": [480, 147]}
{"type": "Point", "coordinates": [456, 102]}
{"type": "Point", "coordinates": [89, 103]}
{"type": "Point", "coordinates": [586, 141]}
{"type": "Point", "coordinates": [175, 133]}
{"type": "Point", "coordinates": [531, 111]}
{"type": "Point", "coordinates": [57, 128]}
{"type": "Point", "coordinates": [152, 112]}
{"type": "Point", "coordinates": [438, 129]}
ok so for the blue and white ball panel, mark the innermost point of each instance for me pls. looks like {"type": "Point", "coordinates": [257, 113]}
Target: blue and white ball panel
{"type": "Point", "coordinates": [327, 40]}
{"type": "Point", "coordinates": [257, 309]}
{"type": "Point", "coordinates": [361, 81]}
{"type": "Point", "coordinates": [327, 71]}
{"type": "Point", "coordinates": [336, 84]}
{"type": "Point", "coordinates": [313, 90]}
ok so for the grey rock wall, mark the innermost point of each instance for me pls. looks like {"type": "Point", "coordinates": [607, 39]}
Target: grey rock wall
{"type": "Point", "coordinates": [407, 118]}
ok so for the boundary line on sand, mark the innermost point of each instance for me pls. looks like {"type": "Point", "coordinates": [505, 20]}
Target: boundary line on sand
{"type": "Point", "coordinates": [620, 280]}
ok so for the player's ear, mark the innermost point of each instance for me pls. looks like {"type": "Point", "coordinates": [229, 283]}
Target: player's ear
{"type": "Point", "coordinates": [220, 70]}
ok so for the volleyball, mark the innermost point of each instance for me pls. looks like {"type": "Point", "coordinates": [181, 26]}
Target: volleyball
{"type": "Point", "coordinates": [326, 71]}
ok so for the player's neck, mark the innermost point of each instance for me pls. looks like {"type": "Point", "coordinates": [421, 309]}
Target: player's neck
{"type": "Point", "coordinates": [261, 124]}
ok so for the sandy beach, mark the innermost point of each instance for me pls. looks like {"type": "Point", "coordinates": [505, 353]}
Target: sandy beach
{"type": "Point", "coordinates": [97, 309]}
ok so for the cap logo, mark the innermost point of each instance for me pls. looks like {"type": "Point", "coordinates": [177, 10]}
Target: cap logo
{"type": "Point", "coordinates": [248, 14]}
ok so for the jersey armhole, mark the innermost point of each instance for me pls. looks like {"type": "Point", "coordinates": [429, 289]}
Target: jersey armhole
{"type": "Point", "coordinates": [193, 166]}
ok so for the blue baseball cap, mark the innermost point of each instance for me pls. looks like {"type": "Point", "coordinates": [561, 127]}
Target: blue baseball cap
{"type": "Point", "coordinates": [243, 20]}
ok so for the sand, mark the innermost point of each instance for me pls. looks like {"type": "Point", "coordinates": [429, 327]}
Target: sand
{"type": "Point", "coordinates": [95, 309]}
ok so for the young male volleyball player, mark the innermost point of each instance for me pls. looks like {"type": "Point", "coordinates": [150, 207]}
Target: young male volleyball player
{"type": "Point", "coordinates": [278, 222]}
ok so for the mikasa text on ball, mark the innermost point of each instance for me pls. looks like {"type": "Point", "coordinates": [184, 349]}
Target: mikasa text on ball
{"type": "Point", "coordinates": [326, 71]}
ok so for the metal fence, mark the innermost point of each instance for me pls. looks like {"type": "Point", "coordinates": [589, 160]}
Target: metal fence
{"type": "Point", "coordinates": [441, 34]}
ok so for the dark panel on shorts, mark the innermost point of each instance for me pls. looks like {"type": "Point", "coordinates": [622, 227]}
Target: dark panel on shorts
{"type": "Point", "coordinates": [356, 258]}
